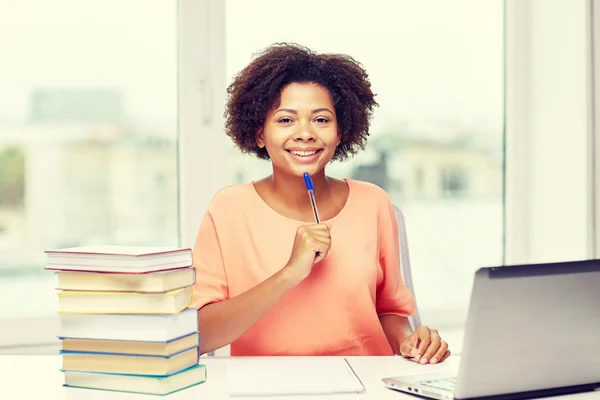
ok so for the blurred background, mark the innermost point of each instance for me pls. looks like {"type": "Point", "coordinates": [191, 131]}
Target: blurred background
{"type": "Point", "coordinates": [88, 126]}
{"type": "Point", "coordinates": [90, 136]}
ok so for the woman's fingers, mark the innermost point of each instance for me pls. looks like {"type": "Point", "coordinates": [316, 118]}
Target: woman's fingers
{"type": "Point", "coordinates": [446, 355]}
{"type": "Point", "coordinates": [439, 354]}
{"type": "Point", "coordinates": [432, 348]}
{"type": "Point", "coordinates": [424, 341]}
{"type": "Point", "coordinates": [320, 234]}
{"type": "Point", "coordinates": [318, 244]}
{"type": "Point", "coordinates": [408, 348]}
{"type": "Point", "coordinates": [317, 227]}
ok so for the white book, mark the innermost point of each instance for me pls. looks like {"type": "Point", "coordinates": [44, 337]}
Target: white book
{"type": "Point", "coordinates": [135, 327]}
{"type": "Point", "coordinates": [123, 259]}
{"type": "Point", "coordinates": [283, 376]}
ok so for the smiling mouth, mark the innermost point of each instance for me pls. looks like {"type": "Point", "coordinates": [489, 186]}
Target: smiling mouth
{"type": "Point", "coordinates": [302, 153]}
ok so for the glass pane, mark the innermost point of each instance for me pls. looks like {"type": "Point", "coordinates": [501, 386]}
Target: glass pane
{"type": "Point", "coordinates": [436, 141]}
{"type": "Point", "coordinates": [88, 135]}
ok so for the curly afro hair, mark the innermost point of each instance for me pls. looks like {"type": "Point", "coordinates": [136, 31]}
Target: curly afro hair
{"type": "Point", "coordinates": [257, 89]}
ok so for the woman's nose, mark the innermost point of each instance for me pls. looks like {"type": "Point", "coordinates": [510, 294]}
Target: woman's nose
{"type": "Point", "coordinates": [304, 132]}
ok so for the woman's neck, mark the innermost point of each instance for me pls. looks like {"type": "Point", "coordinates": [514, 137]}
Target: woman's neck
{"type": "Point", "coordinates": [292, 190]}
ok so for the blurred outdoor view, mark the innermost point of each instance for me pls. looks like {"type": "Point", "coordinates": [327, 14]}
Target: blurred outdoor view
{"type": "Point", "coordinates": [88, 135]}
{"type": "Point", "coordinates": [436, 142]}
{"type": "Point", "coordinates": [88, 127]}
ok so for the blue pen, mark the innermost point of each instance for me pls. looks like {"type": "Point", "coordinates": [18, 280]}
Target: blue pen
{"type": "Point", "coordinates": [311, 195]}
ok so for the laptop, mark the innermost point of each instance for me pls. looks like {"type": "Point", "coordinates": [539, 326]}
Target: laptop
{"type": "Point", "coordinates": [532, 331]}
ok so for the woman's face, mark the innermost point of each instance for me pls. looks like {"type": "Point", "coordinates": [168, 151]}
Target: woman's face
{"type": "Point", "coordinates": [301, 133]}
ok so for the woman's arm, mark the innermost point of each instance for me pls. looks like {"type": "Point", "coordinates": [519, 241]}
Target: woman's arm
{"type": "Point", "coordinates": [396, 329]}
{"type": "Point", "coordinates": [223, 322]}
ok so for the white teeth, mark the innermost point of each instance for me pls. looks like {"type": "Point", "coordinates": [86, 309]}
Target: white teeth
{"type": "Point", "coordinates": [304, 153]}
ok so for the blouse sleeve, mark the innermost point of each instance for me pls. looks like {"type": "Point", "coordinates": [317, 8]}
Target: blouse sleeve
{"type": "Point", "coordinates": [211, 280]}
{"type": "Point", "coordinates": [393, 297]}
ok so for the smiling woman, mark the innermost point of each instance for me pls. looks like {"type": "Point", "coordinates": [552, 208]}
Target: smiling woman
{"type": "Point", "coordinates": [437, 70]}
{"type": "Point", "coordinates": [270, 280]}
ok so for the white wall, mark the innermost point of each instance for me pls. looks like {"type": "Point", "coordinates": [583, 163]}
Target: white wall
{"type": "Point", "coordinates": [548, 124]}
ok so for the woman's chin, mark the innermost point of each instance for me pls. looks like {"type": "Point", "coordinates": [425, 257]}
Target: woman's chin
{"type": "Point", "coordinates": [300, 170]}
{"type": "Point", "coordinates": [308, 169]}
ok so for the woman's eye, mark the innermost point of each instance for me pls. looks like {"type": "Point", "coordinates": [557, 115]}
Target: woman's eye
{"type": "Point", "coordinates": [285, 120]}
{"type": "Point", "coordinates": [322, 120]}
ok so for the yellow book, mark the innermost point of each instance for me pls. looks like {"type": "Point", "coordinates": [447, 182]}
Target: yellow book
{"type": "Point", "coordinates": [145, 384]}
{"type": "Point", "coordinates": [124, 302]}
{"type": "Point", "coordinates": [130, 364]}
{"type": "Point", "coordinates": [131, 346]}
{"type": "Point", "coordinates": [152, 282]}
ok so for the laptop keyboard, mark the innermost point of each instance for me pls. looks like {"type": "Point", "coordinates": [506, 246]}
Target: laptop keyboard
{"type": "Point", "coordinates": [443, 384]}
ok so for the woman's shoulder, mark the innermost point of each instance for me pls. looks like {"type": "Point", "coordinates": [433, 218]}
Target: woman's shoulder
{"type": "Point", "coordinates": [368, 192]}
{"type": "Point", "coordinates": [230, 196]}
{"type": "Point", "coordinates": [369, 196]}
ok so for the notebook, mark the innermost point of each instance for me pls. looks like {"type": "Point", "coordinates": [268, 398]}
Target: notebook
{"type": "Point", "coordinates": [259, 376]}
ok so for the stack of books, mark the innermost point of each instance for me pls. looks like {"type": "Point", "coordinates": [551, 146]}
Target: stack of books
{"type": "Point", "coordinates": [125, 318]}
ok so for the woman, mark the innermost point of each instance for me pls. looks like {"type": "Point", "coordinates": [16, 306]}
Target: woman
{"type": "Point", "coordinates": [272, 281]}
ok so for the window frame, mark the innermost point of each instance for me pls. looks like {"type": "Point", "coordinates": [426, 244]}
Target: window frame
{"type": "Point", "coordinates": [203, 147]}
{"type": "Point", "coordinates": [594, 73]}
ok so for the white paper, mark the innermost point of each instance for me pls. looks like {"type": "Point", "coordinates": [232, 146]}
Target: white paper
{"type": "Point", "coordinates": [272, 376]}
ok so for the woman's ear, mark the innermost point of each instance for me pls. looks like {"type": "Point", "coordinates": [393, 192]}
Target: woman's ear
{"type": "Point", "coordinates": [339, 138]}
{"type": "Point", "coordinates": [260, 142]}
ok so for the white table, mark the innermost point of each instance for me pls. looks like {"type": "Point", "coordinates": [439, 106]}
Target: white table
{"type": "Point", "coordinates": [38, 377]}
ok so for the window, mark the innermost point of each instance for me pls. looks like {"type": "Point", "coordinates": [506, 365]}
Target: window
{"type": "Point", "coordinates": [88, 137]}
{"type": "Point", "coordinates": [437, 137]}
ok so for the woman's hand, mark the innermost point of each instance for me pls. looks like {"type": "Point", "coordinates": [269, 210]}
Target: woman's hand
{"type": "Point", "coordinates": [223, 322]}
{"type": "Point", "coordinates": [425, 345]}
{"type": "Point", "coordinates": [311, 245]}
